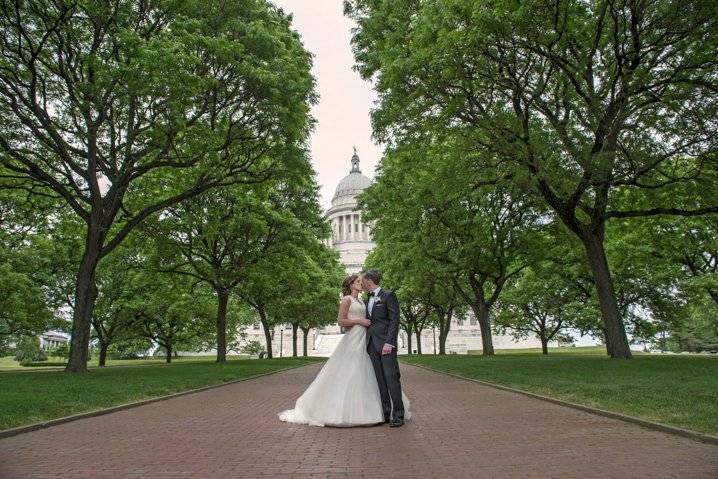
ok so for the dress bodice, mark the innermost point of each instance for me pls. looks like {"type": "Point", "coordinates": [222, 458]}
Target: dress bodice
{"type": "Point", "coordinates": [357, 309]}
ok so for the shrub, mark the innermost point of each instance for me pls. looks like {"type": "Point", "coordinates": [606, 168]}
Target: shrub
{"type": "Point", "coordinates": [128, 349]}
{"type": "Point", "coordinates": [62, 351]}
{"type": "Point", "coordinates": [252, 347]}
{"type": "Point", "coordinates": [28, 350]}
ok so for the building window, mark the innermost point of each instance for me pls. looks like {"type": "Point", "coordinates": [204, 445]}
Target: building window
{"type": "Point", "coordinates": [356, 228]}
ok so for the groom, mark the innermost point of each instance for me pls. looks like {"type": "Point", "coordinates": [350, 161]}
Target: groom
{"type": "Point", "coordinates": [383, 311]}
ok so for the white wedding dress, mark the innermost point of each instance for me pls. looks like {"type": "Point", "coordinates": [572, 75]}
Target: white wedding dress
{"type": "Point", "coordinates": [345, 392]}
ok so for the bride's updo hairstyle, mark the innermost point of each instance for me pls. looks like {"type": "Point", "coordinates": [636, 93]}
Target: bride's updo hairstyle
{"type": "Point", "coordinates": [346, 284]}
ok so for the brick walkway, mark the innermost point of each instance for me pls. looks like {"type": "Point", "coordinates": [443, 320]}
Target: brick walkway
{"type": "Point", "coordinates": [460, 429]}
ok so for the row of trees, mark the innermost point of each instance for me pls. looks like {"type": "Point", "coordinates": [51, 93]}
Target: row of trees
{"type": "Point", "coordinates": [189, 279]}
{"type": "Point", "coordinates": [549, 163]}
{"type": "Point", "coordinates": [157, 150]}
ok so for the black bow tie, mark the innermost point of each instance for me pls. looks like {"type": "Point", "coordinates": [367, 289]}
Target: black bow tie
{"type": "Point", "coordinates": [372, 294]}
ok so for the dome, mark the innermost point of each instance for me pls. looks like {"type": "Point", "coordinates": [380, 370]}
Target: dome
{"type": "Point", "coordinates": [352, 184]}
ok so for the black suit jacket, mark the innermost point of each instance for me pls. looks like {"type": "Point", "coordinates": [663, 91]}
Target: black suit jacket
{"type": "Point", "coordinates": [384, 320]}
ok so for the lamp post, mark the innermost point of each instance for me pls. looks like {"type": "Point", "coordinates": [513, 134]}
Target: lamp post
{"type": "Point", "coordinates": [281, 336]}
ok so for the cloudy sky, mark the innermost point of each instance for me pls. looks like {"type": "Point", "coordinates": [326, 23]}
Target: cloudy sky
{"type": "Point", "coordinates": [345, 99]}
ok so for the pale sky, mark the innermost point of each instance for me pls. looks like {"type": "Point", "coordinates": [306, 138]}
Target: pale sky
{"type": "Point", "coordinates": [345, 100]}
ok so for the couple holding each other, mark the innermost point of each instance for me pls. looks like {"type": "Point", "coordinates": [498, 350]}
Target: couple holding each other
{"type": "Point", "coordinates": [359, 384]}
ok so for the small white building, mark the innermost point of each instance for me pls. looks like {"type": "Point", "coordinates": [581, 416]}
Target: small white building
{"type": "Point", "coordinates": [51, 340]}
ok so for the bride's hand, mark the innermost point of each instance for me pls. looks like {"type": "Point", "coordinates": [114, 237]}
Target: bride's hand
{"type": "Point", "coordinates": [365, 322]}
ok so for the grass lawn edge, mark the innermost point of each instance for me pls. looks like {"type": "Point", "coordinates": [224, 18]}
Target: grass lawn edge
{"type": "Point", "coordinates": [100, 412]}
{"type": "Point", "coordinates": [699, 436]}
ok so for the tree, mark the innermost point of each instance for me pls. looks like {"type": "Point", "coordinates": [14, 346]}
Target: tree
{"type": "Point", "coordinates": [119, 284]}
{"type": "Point", "coordinates": [233, 237]}
{"type": "Point", "coordinates": [23, 311]}
{"type": "Point", "coordinates": [124, 109]}
{"type": "Point", "coordinates": [28, 260]}
{"type": "Point", "coordinates": [415, 313]}
{"type": "Point", "coordinates": [691, 244]}
{"type": "Point", "coordinates": [28, 350]}
{"type": "Point", "coordinates": [543, 302]}
{"type": "Point", "coordinates": [171, 313]}
{"type": "Point", "coordinates": [313, 300]}
{"type": "Point", "coordinates": [216, 238]}
{"type": "Point", "coordinates": [580, 103]}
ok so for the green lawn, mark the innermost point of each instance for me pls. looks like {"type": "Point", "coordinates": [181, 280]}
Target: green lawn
{"type": "Point", "coordinates": [26, 398]}
{"type": "Point", "coordinates": [677, 390]}
{"type": "Point", "coordinates": [582, 350]}
{"type": "Point", "coordinates": [7, 363]}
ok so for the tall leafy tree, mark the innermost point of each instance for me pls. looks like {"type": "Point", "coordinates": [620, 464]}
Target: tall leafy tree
{"type": "Point", "coordinates": [218, 238]}
{"type": "Point", "coordinates": [123, 109]}
{"type": "Point", "coordinates": [312, 301]}
{"type": "Point", "coordinates": [32, 265]}
{"type": "Point", "coordinates": [171, 312]}
{"type": "Point", "coordinates": [543, 302]}
{"type": "Point", "coordinates": [581, 103]}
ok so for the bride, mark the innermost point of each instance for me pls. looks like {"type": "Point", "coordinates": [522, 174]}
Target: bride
{"type": "Point", "coordinates": [345, 392]}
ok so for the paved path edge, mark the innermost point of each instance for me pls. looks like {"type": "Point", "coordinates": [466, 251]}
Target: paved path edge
{"type": "Point", "coordinates": [100, 412]}
{"type": "Point", "coordinates": [698, 436]}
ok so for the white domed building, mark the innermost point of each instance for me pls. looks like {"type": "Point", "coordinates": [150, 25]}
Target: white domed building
{"type": "Point", "coordinates": [350, 236]}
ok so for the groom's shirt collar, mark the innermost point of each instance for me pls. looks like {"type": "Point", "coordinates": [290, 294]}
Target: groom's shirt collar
{"type": "Point", "coordinates": [376, 291]}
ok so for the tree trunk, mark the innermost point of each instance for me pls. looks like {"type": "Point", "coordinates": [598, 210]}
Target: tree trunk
{"type": "Point", "coordinates": [418, 341]}
{"type": "Point", "coordinates": [222, 300]}
{"type": "Point", "coordinates": [408, 342]}
{"type": "Point", "coordinates": [85, 295]}
{"type": "Point", "coordinates": [267, 332]}
{"type": "Point", "coordinates": [103, 354]}
{"type": "Point", "coordinates": [304, 341]}
{"type": "Point", "coordinates": [295, 327]}
{"type": "Point", "coordinates": [605, 340]}
{"type": "Point", "coordinates": [444, 327]}
{"type": "Point", "coordinates": [714, 295]}
{"type": "Point", "coordinates": [544, 342]}
{"type": "Point", "coordinates": [168, 356]}
{"type": "Point", "coordinates": [481, 310]}
{"type": "Point", "coordinates": [616, 340]}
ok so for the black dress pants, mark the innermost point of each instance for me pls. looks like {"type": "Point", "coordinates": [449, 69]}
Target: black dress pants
{"type": "Point", "coordinates": [386, 368]}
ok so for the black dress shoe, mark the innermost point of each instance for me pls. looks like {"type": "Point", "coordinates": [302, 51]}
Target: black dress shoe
{"type": "Point", "coordinates": [396, 423]}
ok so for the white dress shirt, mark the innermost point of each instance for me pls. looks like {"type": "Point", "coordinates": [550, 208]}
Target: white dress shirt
{"type": "Point", "coordinates": [375, 294]}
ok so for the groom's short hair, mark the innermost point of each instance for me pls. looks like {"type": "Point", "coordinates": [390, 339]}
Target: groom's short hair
{"type": "Point", "coordinates": [373, 275]}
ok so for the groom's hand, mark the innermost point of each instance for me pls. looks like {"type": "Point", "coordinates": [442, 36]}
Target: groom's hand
{"type": "Point", "coordinates": [386, 350]}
